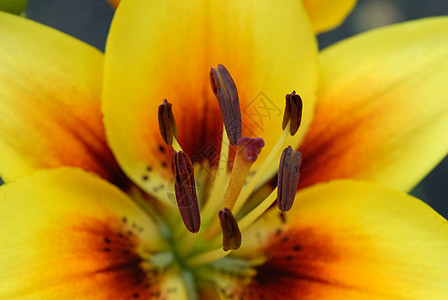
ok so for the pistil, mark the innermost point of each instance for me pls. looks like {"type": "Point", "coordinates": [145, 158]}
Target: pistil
{"type": "Point", "coordinates": [247, 153]}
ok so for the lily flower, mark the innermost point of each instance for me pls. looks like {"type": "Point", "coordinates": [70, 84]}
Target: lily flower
{"type": "Point", "coordinates": [192, 218]}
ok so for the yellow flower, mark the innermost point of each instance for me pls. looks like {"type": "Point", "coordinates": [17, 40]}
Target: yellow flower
{"type": "Point", "coordinates": [380, 116]}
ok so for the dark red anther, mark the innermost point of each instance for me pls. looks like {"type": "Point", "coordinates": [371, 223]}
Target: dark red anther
{"type": "Point", "coordinates": [185, 188]}
{"type": "Point", "coordinates": [252, 146]}
{"type": "Point", "coordinates": [288, 178]}
{"type": "Point", "coordinates": [167, 124]}
{"type": "Point", "coordinates": [225, 91]}
{"type": "Point", "coordinates": [293, 112]}
{"type": "Point", "coordinates": [231, 234]}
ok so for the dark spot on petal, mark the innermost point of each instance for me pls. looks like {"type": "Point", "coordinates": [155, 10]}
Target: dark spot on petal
{"type": "Point", "coordinates": [140, 229]}
{"type": "Point", "coordinates": [161, 148]}
{"type": "Point", "coordinates": [134, 225]}
{"type": "Point", "coordinates": [278, 231]}
{"type": "Point", "coordinates": [124, 275]}
{"type": "Point", "coordinates": [282, 217]}
{"type": "Point", "coordinates": [136, 295]}
{"type": "Point", "coordinates": [124, 219]}
{"type": "Point", "coordinates": [130, 232]}
{"type": "Point", "coordinates": [145, 177]}
{"type": "Point", "coordinates": [164, 164]}
{"type": "Point", "coordinates": [288, 271]}
{"type": "Point", "coordinates": [148, 168]}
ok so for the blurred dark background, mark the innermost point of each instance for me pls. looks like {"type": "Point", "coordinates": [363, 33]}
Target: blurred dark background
{"type": "Point", "coordinates": [89, 21]}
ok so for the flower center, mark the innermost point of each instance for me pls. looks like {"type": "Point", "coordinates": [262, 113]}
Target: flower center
{"type": "Point", "coordinates": [217, 206]}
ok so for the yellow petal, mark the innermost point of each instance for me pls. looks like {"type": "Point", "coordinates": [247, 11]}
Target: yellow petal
{"type": "Point", "coordinates": [326, 14]}
{"type": "Point", "coordinates": [382, 112]}
{"type": "Point", "coordinates": [165, 49]}
{"type": "Point", "coordinates": [67, 234]}
{"type": "Point", "coordinates": [349, 240]}
{"type": "Point", "coordinates": [50, 112]}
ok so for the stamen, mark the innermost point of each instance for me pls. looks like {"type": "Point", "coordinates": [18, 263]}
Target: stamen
{"type": "Point", "coordinates": [167, 123]}
{"type": "Point", "coordinates": [288, 178]}
{"type": "Point", "coordinates": [231, 235]}
{"type": "Point", "coordinates": [293, 112]}
{"type": "Point", "coordinates": [207, 257]}
{"type": "Point", "coordinates": [185, 189]}
{"type": "Point", "coordinates": [257, 211]}
{"type": "Point", "coordinates": [219, 183]}
{"type": "Point", "coordinates": [225, 91]}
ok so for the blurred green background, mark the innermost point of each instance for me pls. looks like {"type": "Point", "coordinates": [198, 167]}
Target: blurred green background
{"type": "Point", "coordinates": [89, 20]}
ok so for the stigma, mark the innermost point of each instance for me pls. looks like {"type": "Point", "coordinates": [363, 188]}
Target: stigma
{"type": "Point", "coordinates": [221, 213]}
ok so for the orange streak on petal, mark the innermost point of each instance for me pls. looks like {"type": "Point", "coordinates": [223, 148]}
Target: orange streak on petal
{"type": "Point", "coordinates": [105, 252]}
{"type": "Point", "coordinates": [348, 240]}
{"type": "Point", "coordinates": [50, 107]}
{"type": "Point", "coordinates": [337, 144]}
{"type": "Point", "coordinates": [70, 234]}
{"type": "Point", "coordinates": [300, 264]}
{"type": "Point", "coordinates": [382, 113]}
